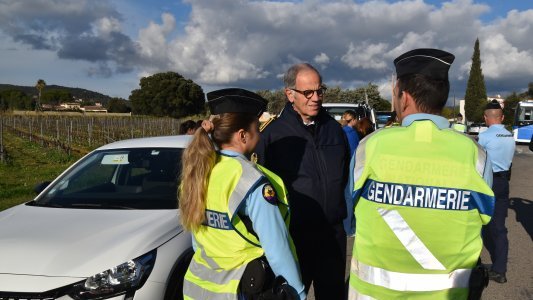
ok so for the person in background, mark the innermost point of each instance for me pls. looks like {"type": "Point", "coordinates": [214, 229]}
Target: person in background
{"type": "Point", "coordinates": [364, 127]}
{"type": "Point", "coordinates": [459, 125]}
{"type": "Point", "coordinates": [500, 146]}
{"type": "Point", "coordinates": [350, 119]}
{"type": "Point", "coordinates": [307, 148]}
{"type": "Point", "coordinates": [188, 127]}
{"type": "Point", "coordinates": [422, 193]}
{"type": "Point", "coordinates": [236, 210]}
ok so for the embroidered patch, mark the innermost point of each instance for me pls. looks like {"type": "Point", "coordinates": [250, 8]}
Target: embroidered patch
{"type": "Point", "coordinates": [270, 194]}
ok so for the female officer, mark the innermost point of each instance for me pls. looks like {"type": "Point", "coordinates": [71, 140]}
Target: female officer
{"type": "Point", "coordinates": [237, 211]}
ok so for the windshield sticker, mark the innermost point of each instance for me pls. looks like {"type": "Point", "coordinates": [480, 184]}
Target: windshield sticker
{"type": "Point", "coordinates": [115, 159]}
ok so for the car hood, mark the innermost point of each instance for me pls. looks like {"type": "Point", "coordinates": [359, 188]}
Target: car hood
{"type": "Point", "coordinates": [79, 242]}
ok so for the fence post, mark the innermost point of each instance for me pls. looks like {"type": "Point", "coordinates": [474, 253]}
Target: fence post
{"type": "Point", "coordinates": [2, 154]}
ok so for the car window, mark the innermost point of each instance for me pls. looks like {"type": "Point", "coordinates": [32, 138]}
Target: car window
{"type": "Point", "coordinates": [141, 178]}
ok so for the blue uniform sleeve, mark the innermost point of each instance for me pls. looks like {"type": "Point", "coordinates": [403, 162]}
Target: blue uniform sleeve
{"type": "Point", "coordinates": [349, 221]}
{"type": "Point", "coordinates": [487, 175]}
{"type": "Point", "coordinates": [270, 228]}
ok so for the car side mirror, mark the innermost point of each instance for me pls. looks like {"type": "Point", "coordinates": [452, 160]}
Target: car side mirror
{"type": "Point", "coordinates": [41, 186]}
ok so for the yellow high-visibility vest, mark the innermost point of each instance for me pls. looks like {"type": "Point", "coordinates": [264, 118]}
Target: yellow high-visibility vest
{"type": "Point", "coordinates": [421, 202]}
{"type": "Point", "coordinates": [224, 245]}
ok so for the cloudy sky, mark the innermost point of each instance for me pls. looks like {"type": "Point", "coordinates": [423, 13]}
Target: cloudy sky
{"type": "Point", "coordinates": [107, 46]}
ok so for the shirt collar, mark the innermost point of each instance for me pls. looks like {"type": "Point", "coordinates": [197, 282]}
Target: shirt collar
{"type": "Point", "coordinates": [232, 153]}
{"type": "Point", "coordinates": [441, 122]}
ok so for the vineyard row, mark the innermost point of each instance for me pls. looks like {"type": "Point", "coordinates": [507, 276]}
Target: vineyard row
{"type": "Point", "coordinates": [83, 134]}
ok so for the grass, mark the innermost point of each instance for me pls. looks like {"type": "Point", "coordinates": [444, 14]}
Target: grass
{"type": "Point", "coordinates": [27, 165]}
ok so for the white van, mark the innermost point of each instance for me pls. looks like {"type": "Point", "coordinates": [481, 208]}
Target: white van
{"type": "Point", "coordinates": [336, 110]}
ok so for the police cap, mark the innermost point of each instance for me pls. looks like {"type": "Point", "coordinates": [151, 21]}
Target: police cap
{"type": "Point", "coordinates": [235, 100]}
{"type": "Point", "coordinates": [433, 63]}
{"type": "Point", "coordinates": [494, 104]}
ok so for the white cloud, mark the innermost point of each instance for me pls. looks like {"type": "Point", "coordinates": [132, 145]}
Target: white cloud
{"type": "Point", "coordinates": [500, 59]}
{"type": "Point", "coordinates": [365, 56]}
{"type": "Point", "coordinates": [153, 39]}
{"type": "Point", "coordinates": [321, 59]}
{"type": "Point", "coordinates": [251, 43]}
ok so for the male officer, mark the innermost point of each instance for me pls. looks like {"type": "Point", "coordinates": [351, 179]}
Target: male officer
{"type": "Point", "coordinates": [307, 148]}
{"type": "Point", "coordinates": [500, 147]}
{"type": "Point", "coordinates": [422, 193]}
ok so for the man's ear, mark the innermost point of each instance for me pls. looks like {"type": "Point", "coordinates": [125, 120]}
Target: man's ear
{"type": "Point", "coordinates": [290, 95]}
{"type": "Point", "coordinates": [408, 102]}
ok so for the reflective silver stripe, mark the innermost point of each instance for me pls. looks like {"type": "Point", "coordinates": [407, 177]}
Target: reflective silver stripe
{"type": "Point", "coordinates": [353, 294]}
{"type": "Point", "coordinates": [410, 240]}
{"type": "Point", "coordinates": [250, 175]}
{"type": "Point", "coordinates": [360, 156]}
{"type": "Point", "coordinates": [194, 291]}
{"type": "Point", "coordinates": [410, 282]}
{"type": "Point", "coordinates": [481, 160]}
{"type": "Point", "coordinates": [211, 262]}
{"type": "Point", "coordinates": [221, 277]}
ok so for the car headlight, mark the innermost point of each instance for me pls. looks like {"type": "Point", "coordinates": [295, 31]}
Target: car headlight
{"type": "Point", "coordinates": [126, 277]}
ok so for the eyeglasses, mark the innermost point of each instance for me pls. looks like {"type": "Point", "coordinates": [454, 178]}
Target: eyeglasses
{"type": "Point", "coordinates": [309, 93]}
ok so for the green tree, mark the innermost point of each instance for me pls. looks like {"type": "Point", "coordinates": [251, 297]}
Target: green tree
{"type": "Point", "coordinates": [476, 94]}
{"type": "Point", "coordinates": [530, 90]}
{"type": "Point", "coordinates": [40, 85]}
{"type": "Point", "coordinates": [56, 97]}
{"type": "Point", "coordinates": [118, 105]}
{"type": "Point", "coordinates": [14, 99]}
{"type": "Point", "coordinates": [167, 94]}
{"type": "Point", "coordinates": [276, 100]}
{"type": "Point", "coordinates": [509, 108]}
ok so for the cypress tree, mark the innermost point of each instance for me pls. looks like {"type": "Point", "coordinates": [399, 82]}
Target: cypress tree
{"type": "Point", "coordinates": [476, 94]}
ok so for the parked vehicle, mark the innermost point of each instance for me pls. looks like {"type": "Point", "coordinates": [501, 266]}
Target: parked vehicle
{"type": "Point", "coordinates": [336, 110]}
{"type": "Point", "coordinates": [476, 128]}
{"type": "Point", "coordinates": [106, 228]}
{"type": "Point", "coordinates": [523, 121]}
{"type": "Point", "coordinates": [382, 118]}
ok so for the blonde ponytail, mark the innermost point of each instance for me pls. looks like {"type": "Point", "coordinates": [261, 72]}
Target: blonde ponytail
{"type": "Point", "coordinates": [197, 162]}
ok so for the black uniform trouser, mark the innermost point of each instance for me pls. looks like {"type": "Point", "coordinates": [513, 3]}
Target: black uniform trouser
{"type": "Point", "coordinates": [495, 233]}
{"type": "Point", "coordinates": [321, 253]}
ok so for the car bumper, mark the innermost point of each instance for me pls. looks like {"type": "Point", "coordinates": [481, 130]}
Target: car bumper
{"type": "Point", "coordinates": [23, 287]}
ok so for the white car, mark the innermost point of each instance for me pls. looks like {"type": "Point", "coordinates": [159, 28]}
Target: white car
{"type": "Point", "coordinates": [107, 228]}
{"type": "Point", "coordinates": [477, 128]}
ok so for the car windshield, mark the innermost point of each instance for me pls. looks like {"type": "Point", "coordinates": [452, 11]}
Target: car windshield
{"type": "Point", "coordinates": [139, 178]}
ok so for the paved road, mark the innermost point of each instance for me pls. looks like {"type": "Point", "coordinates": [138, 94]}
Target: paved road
{"type": "Point", "coordinates": [520, 225]}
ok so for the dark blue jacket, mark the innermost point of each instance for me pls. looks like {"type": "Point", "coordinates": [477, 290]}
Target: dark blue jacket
{"type": "Point", "coordinates": [313, 166]}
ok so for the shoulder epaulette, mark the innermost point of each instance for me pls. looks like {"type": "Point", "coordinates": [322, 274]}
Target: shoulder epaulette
{"type": "Point", "coordinates": [267, 122]}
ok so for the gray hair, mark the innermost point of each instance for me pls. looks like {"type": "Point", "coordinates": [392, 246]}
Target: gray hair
{"type": "Point", "coordinates": [289, 79]}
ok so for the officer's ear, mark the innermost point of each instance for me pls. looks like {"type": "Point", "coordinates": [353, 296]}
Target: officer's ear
{"type": "Point", "coordinates": [408, 102]}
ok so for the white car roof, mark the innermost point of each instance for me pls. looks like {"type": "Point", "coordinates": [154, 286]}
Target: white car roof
{"type": "Point", "coordinates": [174, 141]}
{"type": "Point", "coordinates": [340, 104]}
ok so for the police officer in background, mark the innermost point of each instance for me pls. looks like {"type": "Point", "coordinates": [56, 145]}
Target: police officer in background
{"type": "Point", "coordinates": [236, 210]}
{"type": "Point", "coordinates": [422, 194]}
{"type": "Point", "coordinates": [500, 146]}
{"type": "Point", "coordinates": [459, 125]}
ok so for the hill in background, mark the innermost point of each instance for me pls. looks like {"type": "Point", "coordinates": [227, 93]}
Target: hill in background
{"type": "Point", "coordinates": [77, 93]}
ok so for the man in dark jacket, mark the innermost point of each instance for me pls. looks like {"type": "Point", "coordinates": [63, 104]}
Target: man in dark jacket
{"type": "Point", "coordinates": [308, 149]}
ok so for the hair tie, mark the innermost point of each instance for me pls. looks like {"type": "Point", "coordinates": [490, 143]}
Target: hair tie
{"type": "Point", "coordinates": [208, 126]}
